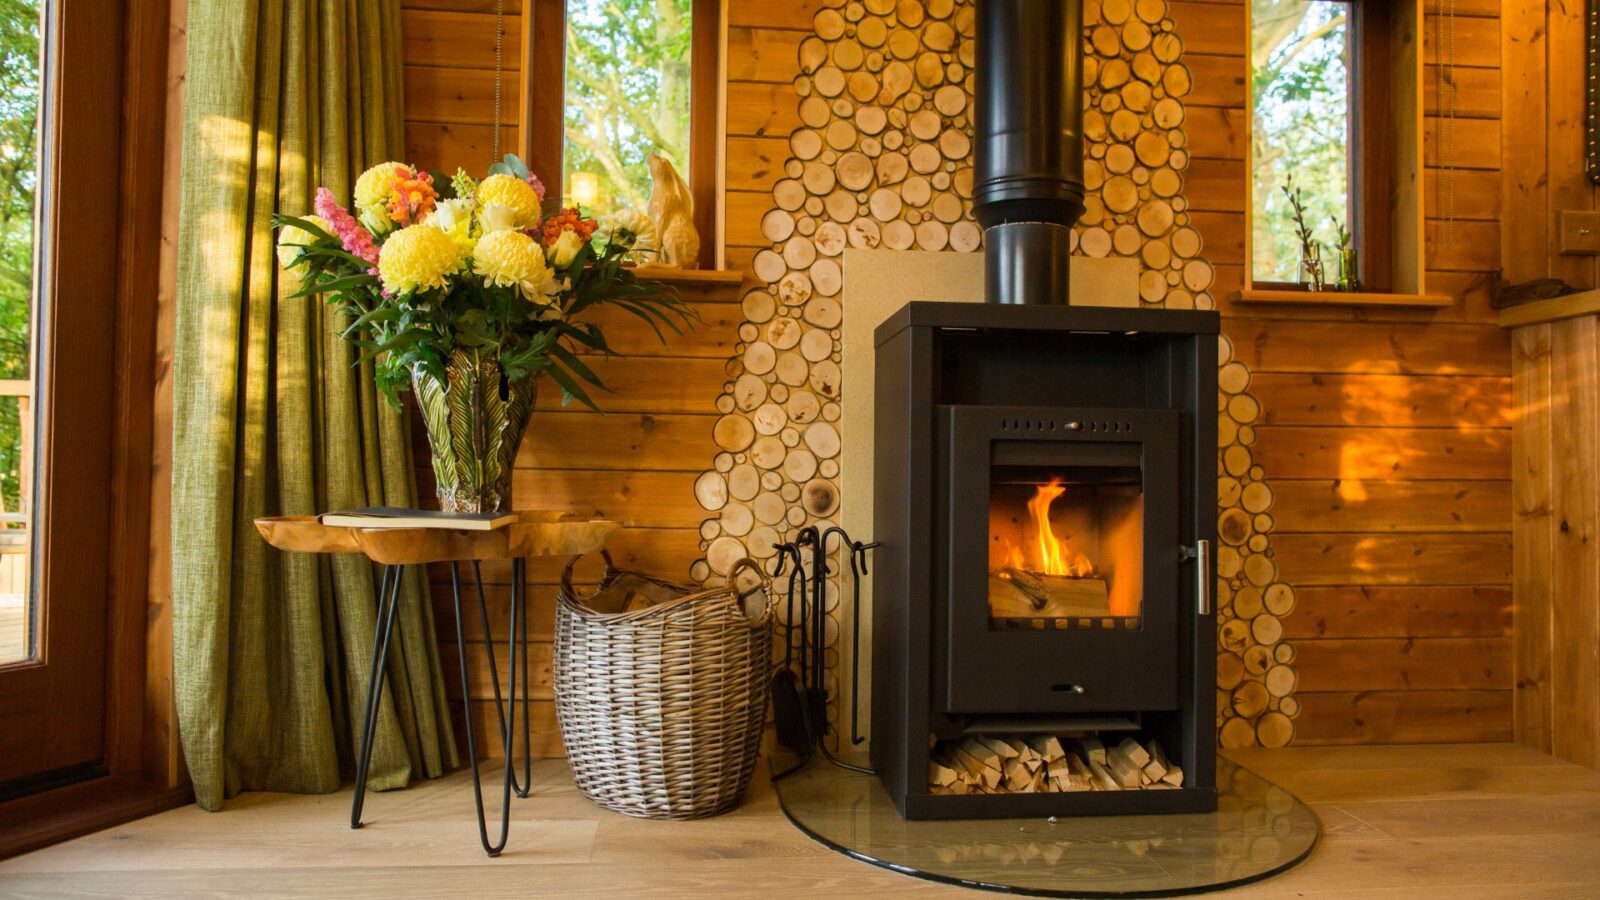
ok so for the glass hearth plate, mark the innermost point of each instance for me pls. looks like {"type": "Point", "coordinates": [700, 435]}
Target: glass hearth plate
{"type": "Point", "coordinates": [1259, 829]}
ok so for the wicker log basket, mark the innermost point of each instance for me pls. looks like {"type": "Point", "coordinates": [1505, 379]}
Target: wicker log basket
{"type": "Point", "coordinates": [661, 690]}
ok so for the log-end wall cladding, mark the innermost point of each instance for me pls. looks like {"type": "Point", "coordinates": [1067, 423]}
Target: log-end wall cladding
{"type": "Point", "coordinates": [1364, 503]}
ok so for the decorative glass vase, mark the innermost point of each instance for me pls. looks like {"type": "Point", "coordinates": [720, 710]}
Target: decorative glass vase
{"type": "Point", "coordinates": [1311, 268]}
{"type": "Point", "coordinates": [475, 420]}
{"type": "Point", "coordinates": [1349, 280]}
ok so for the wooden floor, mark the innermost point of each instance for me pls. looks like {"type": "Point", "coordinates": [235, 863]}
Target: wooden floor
{"type": "Point", "coordinates": [1455, 822]}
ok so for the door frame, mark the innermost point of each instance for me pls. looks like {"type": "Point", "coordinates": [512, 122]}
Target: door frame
{"type": "Point", "coordinates": [122, 149]}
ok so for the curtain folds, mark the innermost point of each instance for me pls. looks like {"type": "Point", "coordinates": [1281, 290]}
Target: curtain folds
{"type": "Point", "coordinates": [271, 416]}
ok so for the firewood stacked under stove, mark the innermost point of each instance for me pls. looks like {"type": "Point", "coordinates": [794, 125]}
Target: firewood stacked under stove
{"type": "Point", "coordinates": [979, 764]}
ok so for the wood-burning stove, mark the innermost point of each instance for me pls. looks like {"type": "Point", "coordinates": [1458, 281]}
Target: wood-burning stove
{"type": "Point", "coordinates": [1045, 500]}
{"type": "Point", "coordinates": [1045, 496]}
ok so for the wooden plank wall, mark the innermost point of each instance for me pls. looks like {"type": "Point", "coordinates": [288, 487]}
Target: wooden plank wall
{"type": "Point", "coordinates": [1556, 707]}
{"type": "Point", "coordinates": [763, 42]}
{"type": "Point", "coordinates": [1557, 384]}
{"type": "Point", "coordinates": [449, 82]}
{"type": "Point", "coordinates": [1386, 433]}
{"type": "Point", "coordinates": [1544, 163]}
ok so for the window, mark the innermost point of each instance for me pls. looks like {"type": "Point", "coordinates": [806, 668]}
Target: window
{"type": "Point", "coordinates": [1302, 131]}
{"type": "Point", "coordinates": [627, 95]}
{"type": "Point", "coordinates": [19, 118]}
{"type": "Point", "coordinates": [1336, 106]}
{"type": "Point", "coordinates": [637, 77]}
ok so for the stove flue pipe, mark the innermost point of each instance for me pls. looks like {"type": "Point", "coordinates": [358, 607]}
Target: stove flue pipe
{"type": "Point", "coordinates": [1028, 173]}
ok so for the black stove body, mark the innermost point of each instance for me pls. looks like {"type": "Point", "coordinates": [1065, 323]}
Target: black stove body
{"type": "Point", "coordinates": [1045, 499]}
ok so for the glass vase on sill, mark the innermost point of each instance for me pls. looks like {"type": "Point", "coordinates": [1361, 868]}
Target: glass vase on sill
{"type": "Point", "coordinates": [1311, 267]}
{"type": "Point", "coordinates": [1349, 277]}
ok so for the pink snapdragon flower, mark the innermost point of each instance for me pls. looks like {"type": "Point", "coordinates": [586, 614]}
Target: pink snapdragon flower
{"type": "Point", "coordinates": [356, 239]}
{"type": "Point", "coordinates": [537, 185]}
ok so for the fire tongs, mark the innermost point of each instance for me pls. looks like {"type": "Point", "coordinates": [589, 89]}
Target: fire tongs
{"type": "Point", "coordinates": [800, 698]}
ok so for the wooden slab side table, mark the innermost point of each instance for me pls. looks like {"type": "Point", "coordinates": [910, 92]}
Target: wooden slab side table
{"type": "Point", "coordinates": [535, 533]}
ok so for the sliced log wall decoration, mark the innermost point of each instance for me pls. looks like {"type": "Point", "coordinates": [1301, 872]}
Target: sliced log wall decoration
{"type": "Point", "coordinates": [882, 158]}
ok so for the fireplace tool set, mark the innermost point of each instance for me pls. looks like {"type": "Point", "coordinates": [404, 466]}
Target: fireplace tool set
{"type": "Point", "coordinates": [799, 691]}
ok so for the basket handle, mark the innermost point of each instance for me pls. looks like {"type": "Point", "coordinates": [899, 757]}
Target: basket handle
{"type": "Point", "coordinates": [766, 582]}
{"type": "Point", "coordinates": [566, 573]}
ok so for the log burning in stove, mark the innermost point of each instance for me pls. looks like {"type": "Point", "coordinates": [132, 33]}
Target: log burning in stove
{"type": "Point", "coordinates": [1065, 555]}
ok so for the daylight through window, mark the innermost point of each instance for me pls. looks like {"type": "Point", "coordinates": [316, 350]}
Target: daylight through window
{"type": "Point", "coordinates": [19, 123]}
{"type": "Point", "coordinates": [627, 95]}
{"type": "Point", "coordinates": [1301, 132]}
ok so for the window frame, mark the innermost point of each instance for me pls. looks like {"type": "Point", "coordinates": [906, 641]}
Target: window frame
{"type": "Point", "coordinates": [1386, 165]}
{"type": "Point", "coordinates": [541, 133]}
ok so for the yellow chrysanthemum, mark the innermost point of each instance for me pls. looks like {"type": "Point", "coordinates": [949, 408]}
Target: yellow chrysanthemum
{"type": "Point", "coordinates": [292, 237]}
{"type": "Point", "coordinates": [514, 193]}
{"type": "Point", "coordinates": [376, 186]}
{"type": "Point", "coordinates": [417, 258]}
{"type": "Point", "coordinates": [512, 259]}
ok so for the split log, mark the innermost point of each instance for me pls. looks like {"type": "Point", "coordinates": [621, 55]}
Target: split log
{"type": "Point", "coordinates": [1102, 778]}
{"type": "Point", "coordinates": [1018, 778]}
{"type": "Point", "coordinates": [1127, 774]}
{"type": "Point", "coordinates": [1016, 593]}
{"type": "Point", "coordinates": [1000, 747]}
{"type": "Point", "coordinates": [1048, 747]}
{"type": "Point", "coordinates": [1132, 749]}
{"type": "Point", "coordinates": [1171, 773]}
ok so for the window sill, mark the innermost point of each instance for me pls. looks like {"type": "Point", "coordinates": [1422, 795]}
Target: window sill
{"type": "Point", "coordinates": [1341, 298]}
{"type": "Point", "coordinates": [676, 275]}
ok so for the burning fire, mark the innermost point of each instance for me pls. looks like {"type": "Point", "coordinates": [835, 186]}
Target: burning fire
{"type": "Point", "coordinates": [1053, 556]}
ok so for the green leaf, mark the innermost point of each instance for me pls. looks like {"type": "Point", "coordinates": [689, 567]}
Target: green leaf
{"type": "Point", "coordinates": [570, 388]}
{"type": "Point", "coordinates": [571, 361]}
{"type": "Point", "coordinates": [279, 221]}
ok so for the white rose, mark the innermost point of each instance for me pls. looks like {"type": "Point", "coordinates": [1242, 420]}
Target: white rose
{"type": "Point", "coordinates": [496, 217]}
{"type": "Point", "coordinates": [377, 219]}
{"type": "Point", "coordinates": [450, 213]}
{"type": "Point", "coordinates": [565, 248]}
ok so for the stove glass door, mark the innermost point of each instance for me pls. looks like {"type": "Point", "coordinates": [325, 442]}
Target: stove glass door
{"type": "Point", "coordinates": [1061, 574]}
{"type": "Point", "coordinates": [1066, 545]}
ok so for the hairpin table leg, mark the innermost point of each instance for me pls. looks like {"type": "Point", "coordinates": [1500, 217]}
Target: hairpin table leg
{"type": "Point", "coordinates": [518, 628]}
{"type": "Point", "coordinates": [388, 600]}
{"type": "Point", "coordinates": [518, 601]}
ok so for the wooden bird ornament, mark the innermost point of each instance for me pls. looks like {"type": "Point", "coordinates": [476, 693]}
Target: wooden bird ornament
{"type": "Point", "coordinates": [672, 211]}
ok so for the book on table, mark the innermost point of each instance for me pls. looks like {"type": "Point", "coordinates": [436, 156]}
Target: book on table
{"type": "Point", "coordinates": [400, 517]}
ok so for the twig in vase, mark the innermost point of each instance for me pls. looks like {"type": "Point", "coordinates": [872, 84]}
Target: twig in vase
{"type": "Point", "coordinates": [1310, 251]}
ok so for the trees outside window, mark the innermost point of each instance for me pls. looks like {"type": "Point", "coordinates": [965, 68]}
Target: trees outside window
{"type": "Point", "coordinates": [627, 95]}
{"type": "Point", "coordinates": [1301, 128]}
{"type": "Point", "coordinates": [19, 122]}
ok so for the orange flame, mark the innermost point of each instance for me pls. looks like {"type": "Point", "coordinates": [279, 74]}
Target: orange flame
{"type": "Point", "coordinates": [1055, 556]}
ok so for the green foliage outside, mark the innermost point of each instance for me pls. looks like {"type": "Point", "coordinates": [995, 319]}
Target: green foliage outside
{"type": "Point", "coordinates": [19, 109]}
{"type": "Point", "coordinates": [1300, 62]}
{"type": "Point", "coordinates": [627, 94]}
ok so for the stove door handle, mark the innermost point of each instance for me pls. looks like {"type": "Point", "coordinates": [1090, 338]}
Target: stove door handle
{"type": "Point", "coordinates": [1203, 582]}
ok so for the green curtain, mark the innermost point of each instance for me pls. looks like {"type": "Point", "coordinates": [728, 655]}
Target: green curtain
{"type": "Point", "coordinates": [272, 651]}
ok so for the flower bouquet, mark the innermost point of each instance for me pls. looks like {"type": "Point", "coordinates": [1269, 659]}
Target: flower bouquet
{"type": "Point", "coordinates": [460, 290]}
